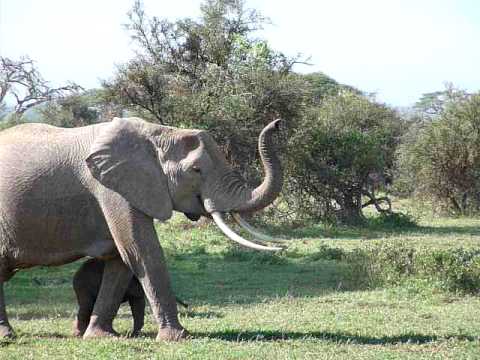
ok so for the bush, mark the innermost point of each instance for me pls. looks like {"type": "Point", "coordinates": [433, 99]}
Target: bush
{"type": "Point", "coordinates": [81, 109]}
{"type": "Point", "coordinates": [390, 263]}
{"type": "Point", "coordinates": [341, 153]}
{"type": "Point", "coordinates": [325, 252]}
{"type": "Point", "coordinates": [393, 221]}
{"type": "Point", "coordinates": [457, 269]}
{"type": "Point", "coordinates": [440, 159]}
{"type": "Point", "coordinates": [234, 254]}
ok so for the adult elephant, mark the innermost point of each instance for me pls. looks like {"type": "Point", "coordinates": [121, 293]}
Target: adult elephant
{"type": "Point", "coordinates": [94, 191]}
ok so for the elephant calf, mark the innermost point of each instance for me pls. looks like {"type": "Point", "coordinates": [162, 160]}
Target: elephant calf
{"type": "Point", "coordinates": [86, 283]}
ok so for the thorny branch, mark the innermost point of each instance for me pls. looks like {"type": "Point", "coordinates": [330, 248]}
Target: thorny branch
{"type": "Point", "coordinates": [25, 84]}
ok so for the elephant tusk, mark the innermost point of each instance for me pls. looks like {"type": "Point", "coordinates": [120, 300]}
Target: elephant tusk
{"type": "Point", "coordinates": [217, 217]}
{"type": "Point", "coordinates": [249, 228]}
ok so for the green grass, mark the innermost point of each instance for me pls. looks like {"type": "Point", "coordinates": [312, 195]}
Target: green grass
{"type": "Point", "coordinates": [304, 303]}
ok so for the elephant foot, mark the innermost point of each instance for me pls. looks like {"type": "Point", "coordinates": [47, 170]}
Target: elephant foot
{"type": "Point", "coordinates": [97, 330]}
{"type": "Point", "coordinates": [78, 333]}
{"type": "Point", "coordinates": [6, 332]}
{"type": "Point", "coordinates": [172, 334]}
{"type": "Point", "coordinates": [133, 334]}
{"type": "Point", "coordinates": [79, 328]}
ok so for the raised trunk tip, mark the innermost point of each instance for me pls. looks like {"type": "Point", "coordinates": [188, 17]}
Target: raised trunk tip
{"type": "Point", "coordinates": [270, 188]}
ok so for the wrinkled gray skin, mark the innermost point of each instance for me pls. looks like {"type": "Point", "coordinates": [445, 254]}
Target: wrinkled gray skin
{"type": "Point", "coordinates": [94, 191]}
{"type": "Point", "coordinates": [86, 284]}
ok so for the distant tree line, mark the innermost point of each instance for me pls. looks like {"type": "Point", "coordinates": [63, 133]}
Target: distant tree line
{"type": "Point", "coordinates": [343, 151]}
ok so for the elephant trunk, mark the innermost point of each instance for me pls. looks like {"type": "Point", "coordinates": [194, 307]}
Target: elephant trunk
{"type": "Point", "coordinates": [233, 195]}
{"type": "Point", "coordinates": [269, 189]}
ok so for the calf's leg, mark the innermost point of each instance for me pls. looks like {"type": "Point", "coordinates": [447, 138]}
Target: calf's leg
{"type": "Point", "coordinates": [115, 280]}
{"type": "Point", "coordinates": [6, 330]}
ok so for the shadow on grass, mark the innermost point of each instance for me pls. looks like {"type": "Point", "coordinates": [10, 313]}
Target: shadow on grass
{"type": "Point", "coordinates": [340, 338]}
{"type": "Point", "coordinates": [272, 336]}
{"type": "Point", "coordinates": [29, 338]}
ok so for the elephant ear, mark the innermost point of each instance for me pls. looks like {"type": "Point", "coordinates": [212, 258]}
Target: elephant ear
{"type": "Point", "coordinates": [124, 160]}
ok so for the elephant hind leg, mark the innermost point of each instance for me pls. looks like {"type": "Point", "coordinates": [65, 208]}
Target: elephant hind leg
{"type": "Point", "coordinates": [6, 330]}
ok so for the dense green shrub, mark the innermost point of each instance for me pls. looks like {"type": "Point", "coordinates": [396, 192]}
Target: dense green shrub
{"type": "Point", "coordinates": [457, 269]}
{"type": "Point", "coordinates": [5, 123]}
{"type": "Point", "coordinates": [440, 158]}
{"type": "Point", "coordinates": [234, 254]}
{"type": "Point", "coordinates": [325, 252]}
{"type": "Point", "coordinates": [81, 109]}
{"type": "Point", "coordinates": [392, 221]}
{"type": "Point", "coordinates": [391, 263]}
{"type": "Point", "coordinates": [341, 153]}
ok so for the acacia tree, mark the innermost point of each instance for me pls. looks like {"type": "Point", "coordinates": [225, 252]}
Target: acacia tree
{"type": "Point", "coordinates": [21, 80]}
{"type": "Point", "coordinates": [431, 105]}
{"type": "Point", "coordinates": [175, 59]}
{"type": "Point", "coordinates": [209, 73]}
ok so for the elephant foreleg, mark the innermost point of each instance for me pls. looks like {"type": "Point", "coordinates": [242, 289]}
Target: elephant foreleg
{"type": "Point", "coordinates": [153, 275]}
{"type": "Point", "coordinates": [6, 330]}
{"type": "Point", "coordinates": [115, 280]}
{"type": "Point", "coordinates": [138, 244]}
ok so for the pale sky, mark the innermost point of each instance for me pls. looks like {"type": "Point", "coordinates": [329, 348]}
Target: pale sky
{"type": "Point", "coordinates": [396, 48]}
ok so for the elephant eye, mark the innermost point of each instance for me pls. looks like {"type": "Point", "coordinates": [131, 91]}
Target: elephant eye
{"type": "Point", "coordinates": [196, 169]}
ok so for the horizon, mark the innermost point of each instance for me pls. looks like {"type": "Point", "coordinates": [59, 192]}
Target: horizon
{"type": "Point", "coordinates": [398, 50]}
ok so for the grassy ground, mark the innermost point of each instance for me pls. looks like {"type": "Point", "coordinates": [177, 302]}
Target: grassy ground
{"type": "Point", "coordinates": [301, 304]}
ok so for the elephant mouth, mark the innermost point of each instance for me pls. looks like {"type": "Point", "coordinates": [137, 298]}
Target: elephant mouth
{"type": "Point", "coordinates": [196, 216]}
{"type": "Point", "coordinates": [193, 217]}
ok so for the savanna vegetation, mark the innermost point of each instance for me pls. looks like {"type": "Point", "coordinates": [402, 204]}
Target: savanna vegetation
{"type": "Point", "coordinates": [386, 290]}
{"type": "Point", "coordinates": [380, 205]}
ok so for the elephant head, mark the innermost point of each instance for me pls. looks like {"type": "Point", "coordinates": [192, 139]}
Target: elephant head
{"type": "Point", "coordinates": [159, 169]}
